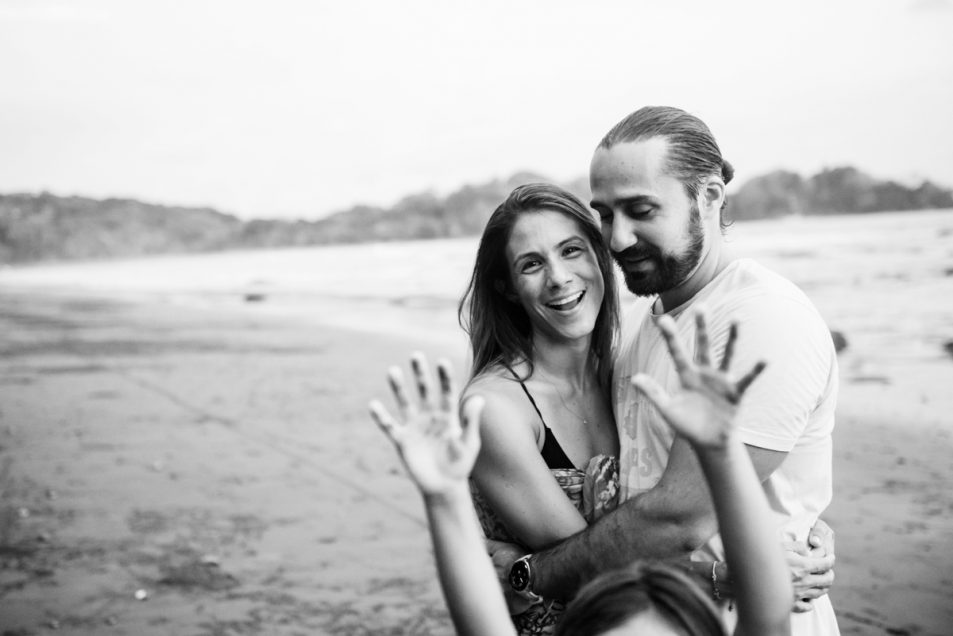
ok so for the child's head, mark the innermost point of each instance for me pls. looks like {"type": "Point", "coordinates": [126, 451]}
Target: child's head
{"type": "Point", "coordinates": [646, 598]}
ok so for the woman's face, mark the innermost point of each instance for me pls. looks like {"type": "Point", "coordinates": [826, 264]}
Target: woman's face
{"type": "Point", "coordinates": [554, 275]}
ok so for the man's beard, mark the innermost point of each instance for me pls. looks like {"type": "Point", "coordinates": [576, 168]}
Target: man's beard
{"type": "Point", "coordinates": [670, 270]}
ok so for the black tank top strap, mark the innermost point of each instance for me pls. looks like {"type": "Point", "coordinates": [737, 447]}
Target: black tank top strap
{"type": "Point", "coordinates": [552, 453]}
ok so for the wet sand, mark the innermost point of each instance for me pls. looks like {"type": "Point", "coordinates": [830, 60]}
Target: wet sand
{"type": "Point", "coordinates": [183, 470]}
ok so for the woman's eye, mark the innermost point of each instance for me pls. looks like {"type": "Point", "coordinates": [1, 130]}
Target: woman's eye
{"type": "Point", "coordinates": [572, 250]}
{"type": "Point", "coordinates": [529, 266]}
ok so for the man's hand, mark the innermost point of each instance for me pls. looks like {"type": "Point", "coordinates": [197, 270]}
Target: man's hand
{"type": "Point", "coordinates": [503, 555]}
{"type": "Point", "coordinates": [812, 566]}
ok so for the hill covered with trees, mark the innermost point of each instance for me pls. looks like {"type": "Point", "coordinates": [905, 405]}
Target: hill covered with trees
{"type": "Point", "coordinates": [46, 227]}
{"type": "Point", "coordinates": [842, 190]}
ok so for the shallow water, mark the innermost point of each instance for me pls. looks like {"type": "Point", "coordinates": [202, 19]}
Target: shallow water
{"type": "Point", "coordinates": [884, 280]}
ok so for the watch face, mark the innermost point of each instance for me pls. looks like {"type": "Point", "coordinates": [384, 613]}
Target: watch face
{"type": "Point", "coordinates": [519, 575]}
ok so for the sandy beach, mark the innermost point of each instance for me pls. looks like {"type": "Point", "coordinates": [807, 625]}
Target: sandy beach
{"type": "Point", "coordinates": [224, 465]}
{"type": "Point", "coordinates": [176, 469]}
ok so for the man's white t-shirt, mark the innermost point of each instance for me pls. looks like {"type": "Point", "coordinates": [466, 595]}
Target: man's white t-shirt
{"type": "Point", "coordinates": [789, 408]}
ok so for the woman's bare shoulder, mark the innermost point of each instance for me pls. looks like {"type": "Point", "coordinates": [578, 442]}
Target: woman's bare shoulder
{"type": "Point", "coordinates": [505, 399]}
{"type": "Point", "coordinates": [494, 383]}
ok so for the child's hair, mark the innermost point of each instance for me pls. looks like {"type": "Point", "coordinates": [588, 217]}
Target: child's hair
{"type": "Point", "coordinates": [613, 598]}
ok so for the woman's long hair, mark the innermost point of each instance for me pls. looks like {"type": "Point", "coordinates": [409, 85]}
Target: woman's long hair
{"type": "Point", "coordinates": [499, 328]}
{"type": "Point", "coordinates": [611, 599]}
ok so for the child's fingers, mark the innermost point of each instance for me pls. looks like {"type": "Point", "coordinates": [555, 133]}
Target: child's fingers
{"type": "Point", "coordinates": [679, 357]}
{"type": "Point", "coordinates": [395, 378]}
{"type": "Point", "coordinates": [418, 362]}
{"type": "Point", "coordinates": [652, 390]}
{"type": "Point", "coordinates": [729, 346]}
{"type": "Point", "coordinates": [750, 377]}
{"type": "Point", "coordinates": [702, 344]}
{"type": "Point", "coordinates": [447, 386]}
{"type": "Point", "coordinates": [383, 419]}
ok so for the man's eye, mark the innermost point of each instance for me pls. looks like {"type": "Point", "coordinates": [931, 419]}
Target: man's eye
{"type": "Point", "coordinates": [639, 211]}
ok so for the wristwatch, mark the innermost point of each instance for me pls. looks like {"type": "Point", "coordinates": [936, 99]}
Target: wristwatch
{"type": "Point", "coordinates": [521, 579]}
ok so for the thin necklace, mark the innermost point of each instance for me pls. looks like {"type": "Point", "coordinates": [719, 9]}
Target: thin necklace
{"type": "Point", "coordinates": [585, 421]}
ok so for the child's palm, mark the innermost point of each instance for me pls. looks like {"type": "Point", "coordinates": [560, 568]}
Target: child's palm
{"type": "Point", "coordinates": [704, 410]}
{"type": "Point", "coordinates": [437, 450]}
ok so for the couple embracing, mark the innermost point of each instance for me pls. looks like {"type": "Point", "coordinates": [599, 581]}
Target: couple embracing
{"type": "Point", "coordinates": [601, 439]}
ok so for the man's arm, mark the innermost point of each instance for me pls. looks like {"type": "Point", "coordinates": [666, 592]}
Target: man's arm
{"type": "Point", "coordinates": [671, 520]}
{"type": "Point", "coordinates": [676, 516]}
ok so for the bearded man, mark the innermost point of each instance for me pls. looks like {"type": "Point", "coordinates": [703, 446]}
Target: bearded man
{"type": "Point", "coordinates": [658, 184]}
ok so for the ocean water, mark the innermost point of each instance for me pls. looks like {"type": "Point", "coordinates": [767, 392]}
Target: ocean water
{"type": "Point", "coordinates": [884, 280]}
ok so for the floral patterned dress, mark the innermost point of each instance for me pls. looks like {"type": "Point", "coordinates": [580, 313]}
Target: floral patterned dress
{"type": "Point", "coordinates": [594, 491]}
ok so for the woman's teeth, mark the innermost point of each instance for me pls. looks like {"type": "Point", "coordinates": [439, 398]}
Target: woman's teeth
{"type": "Point", "coordinates": [564, 304]}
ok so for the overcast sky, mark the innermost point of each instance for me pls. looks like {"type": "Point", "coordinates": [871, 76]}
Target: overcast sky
{"type": "Point", "coordinates": [299, 109]}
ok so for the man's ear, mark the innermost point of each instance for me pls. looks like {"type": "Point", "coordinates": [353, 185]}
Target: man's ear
{"type": "Point", "coordinates": [712, 197]}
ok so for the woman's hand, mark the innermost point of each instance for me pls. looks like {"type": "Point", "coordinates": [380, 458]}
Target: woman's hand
{"type": "Point", "coordinates": [812, 565]}
{"type": "Point", "coordinates": [703, 412]}
{"type": "Point", "coordinates": [435, 444]}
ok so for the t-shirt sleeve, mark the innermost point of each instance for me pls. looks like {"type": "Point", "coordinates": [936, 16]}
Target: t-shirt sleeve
{"type": "Point", "coordinates": [790, 336]}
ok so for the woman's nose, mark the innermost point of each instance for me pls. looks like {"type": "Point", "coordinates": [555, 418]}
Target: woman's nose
{"type": "Point", "coordinates": [559, 275]}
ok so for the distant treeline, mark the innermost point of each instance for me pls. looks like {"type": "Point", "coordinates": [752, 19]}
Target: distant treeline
{"type": "Point", "coordinates": [833, 191]}
{"type": "Point", "coordinates": [46, 227]}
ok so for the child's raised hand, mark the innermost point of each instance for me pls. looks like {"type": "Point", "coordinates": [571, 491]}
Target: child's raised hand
{"type": "Point", "coordinates": [437, 448]}
{"type": "Point", "coordinates": [703, 411]}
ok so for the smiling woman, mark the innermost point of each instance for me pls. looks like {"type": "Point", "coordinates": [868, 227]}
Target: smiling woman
{"type": "Point", "coordinates": [556, 277]}
{"type": "Point", "coordinates": [541, 314]}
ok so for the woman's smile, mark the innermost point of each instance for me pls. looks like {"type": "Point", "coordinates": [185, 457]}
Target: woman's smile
{"type": "Point", "coordinates": [567, 303]}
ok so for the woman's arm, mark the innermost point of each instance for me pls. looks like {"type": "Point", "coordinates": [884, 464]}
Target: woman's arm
{"type": "Point", "coordinates": [512, 476]}
{"type": "Point", "coordinates": [438, 449]}
{"type": "Point", "coordinates": [810, 563]}
{"type": "Point", "coordinates": [703, 413]}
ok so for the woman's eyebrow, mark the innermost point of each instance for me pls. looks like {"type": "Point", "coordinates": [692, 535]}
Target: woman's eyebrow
{"type": "Point", "coordinates": [574, 237]}
{"type": "Point", "coordinates": [518, 257]}
{"type": "Point", "coordinates": [562, 243]}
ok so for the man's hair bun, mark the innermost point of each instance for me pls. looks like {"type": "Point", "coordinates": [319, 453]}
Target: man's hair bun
{"type": "Point", "coordinates": [727, 171]}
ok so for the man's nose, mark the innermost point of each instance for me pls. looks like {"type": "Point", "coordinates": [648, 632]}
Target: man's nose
{"type": "Point", "coordinates": [621, 233]}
